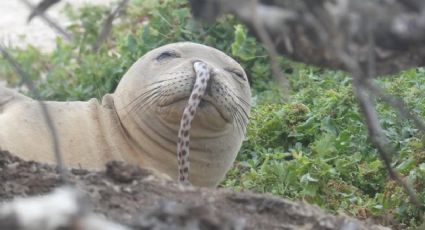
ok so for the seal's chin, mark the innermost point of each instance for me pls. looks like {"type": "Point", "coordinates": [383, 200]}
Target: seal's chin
{"type": "Point", "coordinates": [208, 112]}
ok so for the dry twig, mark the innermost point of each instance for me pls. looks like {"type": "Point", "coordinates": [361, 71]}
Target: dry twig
{"type": "Point", "coordinates": [398, 105]}
{"type": "Point", "coordinates": [277, 71]}
{"type": "Point", "coordinates": [376, 133]}
{"type": "Point", "coordinates": [107, 24]}
{"type": "Point", "coordinates": [378, 138]}
{"type": "Point", "coordinates": [41, 8]}
{"type": "Point", "coordinates": [67, 36]}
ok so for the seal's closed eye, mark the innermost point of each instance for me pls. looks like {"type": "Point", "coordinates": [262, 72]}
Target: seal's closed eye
{"type": "Point", "coordinates": [236, 73]}
{"type": "Point", "coordinates": [166, 55]}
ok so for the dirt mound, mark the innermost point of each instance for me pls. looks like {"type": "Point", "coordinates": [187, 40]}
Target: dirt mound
{"type": "Point", "coordinates": [136, 198]}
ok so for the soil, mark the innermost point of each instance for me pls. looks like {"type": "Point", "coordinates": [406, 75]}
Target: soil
{"type": "Point", "coordinates": [135, 197]}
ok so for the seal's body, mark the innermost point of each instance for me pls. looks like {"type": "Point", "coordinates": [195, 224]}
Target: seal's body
{"type": "Point", "coordinates": [89, 133]}
{"type": "Point", "coordinates": [139, 122]}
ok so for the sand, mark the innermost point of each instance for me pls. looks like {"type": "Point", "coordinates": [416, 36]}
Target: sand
{"type": "Point", "coordinates": [16, 32]}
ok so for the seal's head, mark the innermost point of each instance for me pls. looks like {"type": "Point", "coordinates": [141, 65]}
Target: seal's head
{"type": "Point", "coordinates": [152, 95]}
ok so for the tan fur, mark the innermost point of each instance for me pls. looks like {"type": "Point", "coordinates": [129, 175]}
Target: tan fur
{"type": "Point", "coordinates": [126, 127]}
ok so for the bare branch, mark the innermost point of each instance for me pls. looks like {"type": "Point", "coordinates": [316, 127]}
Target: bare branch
{"type": "Point", "coordinates": [41, 8]}
{"type": "Point", "coordinates": [398, 29]}
{"type": "Point", "coordinates": [67, 36]}
{"type": "Point", "coordinates": [378, 137]}
{"type": "Point", "coordinates": [375, 130]}
{"type": "Point", "coordinates": [107, 24]}
{"type": "Point", "coordinates": [270, 48]}
{"type": "Point", "coordinates": [398, 104]}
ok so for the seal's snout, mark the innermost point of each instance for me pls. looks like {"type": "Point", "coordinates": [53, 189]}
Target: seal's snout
{"type": "Point", "coordinates": [212, 71]}
{"type": "Point", "coordinates": [207, 69]}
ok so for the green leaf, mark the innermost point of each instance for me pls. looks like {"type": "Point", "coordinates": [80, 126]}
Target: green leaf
{"type": "Point", "coordinates": [243, 47]}
{"type": "Point", "coordinates": [306, 178]}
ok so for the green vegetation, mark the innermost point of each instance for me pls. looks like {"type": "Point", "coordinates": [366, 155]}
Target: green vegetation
{"type": "Point", "coordinates": [314, 148]}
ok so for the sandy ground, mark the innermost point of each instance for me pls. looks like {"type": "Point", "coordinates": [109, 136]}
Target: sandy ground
{"type": "Point", "coordinates": [15, 31]}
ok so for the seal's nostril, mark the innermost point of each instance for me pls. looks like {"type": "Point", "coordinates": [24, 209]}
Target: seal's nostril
{"type": "Point", "coordinates": [208, 89]}
{"type": "Point", "coordinates": [214, 72]}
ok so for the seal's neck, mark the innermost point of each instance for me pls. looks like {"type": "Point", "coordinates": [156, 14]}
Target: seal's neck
{"type": "Point", "coordinates": [148, 141]}
{"type": "Point", "coordinates": [115, 133]}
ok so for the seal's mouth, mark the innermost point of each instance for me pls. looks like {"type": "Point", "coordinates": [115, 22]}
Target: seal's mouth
{"type": "Point", "coordinates": [205, 105]}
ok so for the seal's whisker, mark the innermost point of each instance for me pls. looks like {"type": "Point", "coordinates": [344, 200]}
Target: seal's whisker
{"type": "Point", "coordinates": [161, 81]}
{"type": "Point", "coordinates": [245, 114]}
{"type": "Point", "coordinates": [237, 96]}
{"type": "Point", "coordinates": [149, 100]}
{"type": "Point", "coordinates": [239, 107]}
{"type": "Point", "coordinates": [238, 119]}
{"type": "Point", "coordinates": [161, 98]}
{"type": "Point", "coordinates": [137, 100]}
{"type": "Point", "coordinates": [242, 113]}
{"type": "Point", "coordinates": [163, 95]}
{"type": "Point", "coordinates": [241, 99]}
{"type": "Point", "coordinates": [138, 106]}
{"type": "Point", "coordinates": [235, 126]}
{"type": "Point", "coordinates": [168, 90]}
{"type": "Point", "coordinates": [242, 121]}
{"type": "Point", "coordinates": [238, 123]}
{"type": "Point", "coordinates": [142, 103]}
{"type": "Point", "coordinates": [143, 100]}
{"type": "Point", "coordinates": [141, 96]}
{"type": "Point", "coordinates": [168, 83]}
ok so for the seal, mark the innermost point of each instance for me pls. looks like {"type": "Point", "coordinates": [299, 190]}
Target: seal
{"type": "Point", "coordinates": [140, 122]}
